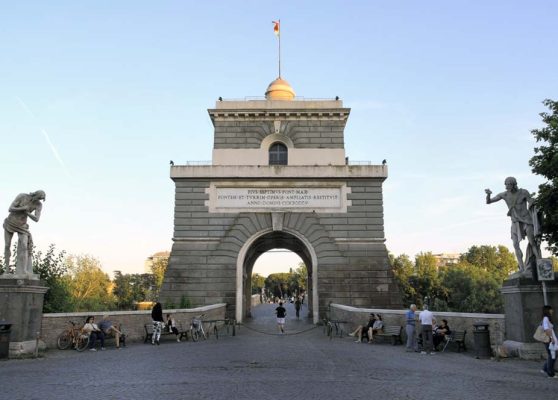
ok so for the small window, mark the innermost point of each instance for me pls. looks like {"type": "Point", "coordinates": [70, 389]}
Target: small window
{"type": "Point", "coordinates": [278, 154]}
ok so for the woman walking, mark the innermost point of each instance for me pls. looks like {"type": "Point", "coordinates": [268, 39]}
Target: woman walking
{"type": "Point", "coordinates": [158, 322]}
{"type": "Point", "coordinates": [551, 347]}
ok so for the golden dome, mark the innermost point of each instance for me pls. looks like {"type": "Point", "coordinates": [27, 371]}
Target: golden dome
{"type": "Point", "coordinates": [279, 89]}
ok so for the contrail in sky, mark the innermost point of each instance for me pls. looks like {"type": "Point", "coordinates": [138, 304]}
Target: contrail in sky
{"type": "Point", "coordinates": [47, 137]}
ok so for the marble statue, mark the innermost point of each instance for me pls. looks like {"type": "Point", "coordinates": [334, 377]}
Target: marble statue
{"type": "Point", "coordinates": [25, 205]}
{"type": "Point", "coordinates": [525, 222]}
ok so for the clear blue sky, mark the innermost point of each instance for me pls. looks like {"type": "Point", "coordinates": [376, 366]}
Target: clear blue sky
{"type": "Point", "coordinates": [97, 97]}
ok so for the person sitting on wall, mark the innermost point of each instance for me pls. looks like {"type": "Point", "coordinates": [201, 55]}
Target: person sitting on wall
{"type": "Point", "coordinates": [362, 331]}
{"type": "Point", "coordinates": [440, 333]}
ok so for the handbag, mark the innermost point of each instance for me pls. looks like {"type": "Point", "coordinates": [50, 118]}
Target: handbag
{"type": "Point", "coordinates": [540, 335]}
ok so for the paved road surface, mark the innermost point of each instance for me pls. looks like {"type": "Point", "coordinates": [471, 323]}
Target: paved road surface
{"type": "Point", "coordinates": [268, 366]}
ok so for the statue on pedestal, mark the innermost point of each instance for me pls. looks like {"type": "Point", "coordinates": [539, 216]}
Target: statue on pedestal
{"type": "Point", "coordinates": [525, 222]}
{"type": "Point", "coordinates": [25, 205]}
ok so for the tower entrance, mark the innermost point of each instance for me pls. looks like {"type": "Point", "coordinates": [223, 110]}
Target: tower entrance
{"type": "Point", "coordinates": [258, 245]}
{"type": "Point", "coordinates": [279, 178]}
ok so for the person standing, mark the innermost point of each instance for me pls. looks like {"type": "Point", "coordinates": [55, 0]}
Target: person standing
{"type": "Point", "coordinates": [426, 319]}
{"type": "Point", "coordinates": [410, 328]}
{"type": "Point", "coordinates": [297, 305]}
{"type": "Point", "coordinates": [158, 322]}
{"type": "Point", "coordinates": [281, 313]}
{"type": "Point", "coordinates": [548, 328]}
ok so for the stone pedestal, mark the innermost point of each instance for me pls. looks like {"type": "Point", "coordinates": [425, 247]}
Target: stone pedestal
{"type": "Point", "coordinates": [523, 302]}
{"type": "Point", "coordinates": [21, 304]}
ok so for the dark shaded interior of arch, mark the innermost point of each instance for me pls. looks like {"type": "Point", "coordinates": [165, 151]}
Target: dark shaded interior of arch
{"type": "Point", "coordinates": [277, 240]}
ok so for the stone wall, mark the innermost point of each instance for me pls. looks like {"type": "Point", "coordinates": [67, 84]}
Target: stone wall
{"type": "Point", "coordinates": [132, 321]}
{"type": "Point", "coordinates": [456, 321]}
{"type": "Point", "coordinates": [245, 134]}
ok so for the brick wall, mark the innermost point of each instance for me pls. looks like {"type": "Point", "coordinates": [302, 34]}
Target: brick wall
{"type": "Point", "coordinates": [132, 321]}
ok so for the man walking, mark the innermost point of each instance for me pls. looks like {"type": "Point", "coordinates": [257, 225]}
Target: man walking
{"type": "Point", "coordinates": [425, 319]}
{"type": "Point", "coordinates": [281, 313]}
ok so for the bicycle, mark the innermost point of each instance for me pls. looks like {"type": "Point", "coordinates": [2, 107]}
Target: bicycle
{"type": "Point", "coordinates": [74, 337]}
{"type": "Point", "coordinates": [196, 328]}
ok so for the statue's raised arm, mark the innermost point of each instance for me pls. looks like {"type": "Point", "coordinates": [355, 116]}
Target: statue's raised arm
{"type": "Point", "coordinates": [519, 201]}
{"type": "Point", "coordinates": [24, 206]}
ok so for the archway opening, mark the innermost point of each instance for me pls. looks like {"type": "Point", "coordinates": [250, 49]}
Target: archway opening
{"type": "Point", "coordinates": [279, 274]}
{"type": "Point", "coordinates": [263, 244]}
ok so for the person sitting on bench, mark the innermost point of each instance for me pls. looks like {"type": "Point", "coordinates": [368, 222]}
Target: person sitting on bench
{"type": "Point", "coordinates": [108, 329]}
{"type": "Point", "coordinates": [440, 333]}
{"type": "Point", "coordinates": [361, 330]}
{"type": "Point", "coordinates": [171, 326]}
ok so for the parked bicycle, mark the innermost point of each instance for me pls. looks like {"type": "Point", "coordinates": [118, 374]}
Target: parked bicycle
{"type": "Point", "coordinates": [196, 328]}
{"type": "Point", "coordinates": [73, 337]}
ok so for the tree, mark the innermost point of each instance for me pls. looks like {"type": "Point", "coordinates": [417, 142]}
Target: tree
{"type": "Point", "coordinates": [427, 281]}
{"type": "Point", "coordinates": [498, 262]}
{"type": "Point", "coordinates": [52, 270]}
{"type": "Point", "coordinates": [89, 286]}
{"type": "Point", "coordinates": [158, 269]}
{"type": "Point", "coordinates": [403, 272]}
{"type": "Point", "coordinates": [278, 284]}
{"type": "Point", "coordinates": [258, 282]}
{"type": "Point", "coordinates": [545, 163]}
{"type": "Point", "coordinates": [129, 289]}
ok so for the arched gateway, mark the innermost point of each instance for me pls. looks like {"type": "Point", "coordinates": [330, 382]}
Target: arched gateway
{"type": "Point", "coordinates": [279, 179]}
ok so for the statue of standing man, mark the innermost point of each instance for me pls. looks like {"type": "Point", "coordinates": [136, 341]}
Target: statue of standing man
{"type": "Point", "coordinates": [524, 219]}
{"type": "Point", "coordinates": [25, 205]}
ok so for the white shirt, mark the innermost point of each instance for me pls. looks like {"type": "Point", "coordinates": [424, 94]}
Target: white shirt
{"type": "Point", "coordinates": [426, 317]}
{"type": "Point", "coordinates": [546, 324]}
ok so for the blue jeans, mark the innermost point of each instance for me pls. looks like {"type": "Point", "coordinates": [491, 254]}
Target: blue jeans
{"type": "Point", "coordinates": [548, 366]}
{"type": "Point", "coordinates": [411, 337]}
{"type": "Point", "coordinates": [93, 338]}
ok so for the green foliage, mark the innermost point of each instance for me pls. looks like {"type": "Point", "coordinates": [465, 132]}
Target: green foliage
{"type": "Point", "coordinates": [258, 282]}
{"type": "Point", "coordinates": [158, 269]}
{"type": "Point", "coordinates": [169, 305]}
{"type": "Point", "coordinates": [89, 286]}
{"type": "Point", "coordinates": [473, 285]}
{"type": "Point", "coordinates": [545, 163]}
{"type": "Point", "coordinates": [185, 302]}
{"type": "Point", "coordinates": [129, 289]}
{"type": "Point", "coordinates": [498, 262]}
{"type": "Point", "coordinates": [403, 272]}
{"type": "Point", "coordinates": [52, 270]}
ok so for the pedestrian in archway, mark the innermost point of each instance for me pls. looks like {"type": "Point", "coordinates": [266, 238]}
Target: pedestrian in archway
{"type": "Point", "coordinates": [281, 313]}
{"type": "Point", "coordinates": [297, 304]}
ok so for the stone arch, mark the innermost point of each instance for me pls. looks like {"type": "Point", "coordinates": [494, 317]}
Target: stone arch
{"type": "Point", "coordinates": [276, 137]}
{"type": "Point", "coordinates": [244, 256]}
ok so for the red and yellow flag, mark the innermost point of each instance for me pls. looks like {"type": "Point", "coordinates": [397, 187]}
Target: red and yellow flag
{"type": "Point", "coordinates": [276, 27]}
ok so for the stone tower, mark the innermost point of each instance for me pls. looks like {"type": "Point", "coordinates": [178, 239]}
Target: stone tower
{"type": "Point", "coordinates": [279, 178]}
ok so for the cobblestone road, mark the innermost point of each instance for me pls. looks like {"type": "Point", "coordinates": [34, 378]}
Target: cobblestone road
{"type": "Point", "coordinates": [265, 366]}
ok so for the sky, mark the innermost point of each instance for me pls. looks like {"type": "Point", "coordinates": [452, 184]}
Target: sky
{"type": "Point", "coordinates": [97, 97]}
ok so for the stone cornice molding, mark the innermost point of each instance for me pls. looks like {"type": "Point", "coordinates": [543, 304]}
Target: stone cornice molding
{"type": "Point", "coordinates": [311, 172]}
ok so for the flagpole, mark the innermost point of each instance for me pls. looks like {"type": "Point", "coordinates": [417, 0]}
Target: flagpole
{"type": "Point", "coordinates": [279, 48]}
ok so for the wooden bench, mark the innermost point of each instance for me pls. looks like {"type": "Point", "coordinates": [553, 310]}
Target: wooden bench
{"type": "Point", "coordinates": [457, 337]}
{"type": "Point", "coordinates": [393, 332]}
{"type": "Point", "coordinates": [183, 334]}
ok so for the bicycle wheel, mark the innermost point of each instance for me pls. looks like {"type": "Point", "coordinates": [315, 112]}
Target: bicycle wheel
{"type": "Point", "coordinates": [64, 341]}
{"type": "Point", "coordinates": [194, 333]}
{"type": "Point", "coordinates": [82, 342]}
